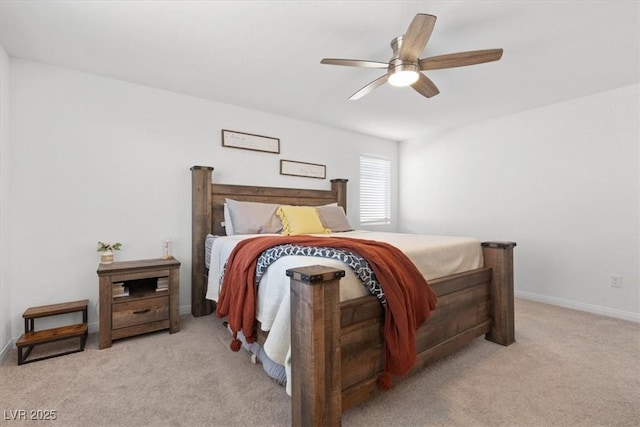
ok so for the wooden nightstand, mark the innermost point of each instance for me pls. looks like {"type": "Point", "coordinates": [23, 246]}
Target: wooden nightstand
{"type": "Point", "coordinates": [150, 303]}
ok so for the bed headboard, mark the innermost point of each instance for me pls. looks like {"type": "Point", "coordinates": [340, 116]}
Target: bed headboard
{"type": "Point", "coordinates": [207, 215]}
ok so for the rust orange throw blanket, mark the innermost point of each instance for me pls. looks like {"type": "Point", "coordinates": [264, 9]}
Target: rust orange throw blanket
{"type": "Point", "coordinates": [410, 300]}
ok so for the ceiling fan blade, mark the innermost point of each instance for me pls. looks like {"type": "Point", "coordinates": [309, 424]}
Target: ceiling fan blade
{"type": "Point", "coordinates": [460, 59]}
{"type": "Point", "coordinates": [416, 37]}
{"type": "Point", "coordinates": [425, 86]}
{"type": "Point", "coordinates": [354, 63]}
{"type": "Point", "coordinates": [369, 88]}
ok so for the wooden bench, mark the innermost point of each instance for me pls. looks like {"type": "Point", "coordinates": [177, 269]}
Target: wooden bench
{"type": "Point", "coordinates": [31, 337]}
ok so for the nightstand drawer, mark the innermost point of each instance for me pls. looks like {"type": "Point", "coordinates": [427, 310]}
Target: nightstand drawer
{"type": "Point", "coordinates": [140, 311]}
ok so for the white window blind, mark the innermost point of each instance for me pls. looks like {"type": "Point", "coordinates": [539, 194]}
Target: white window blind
{"type": "Point", "coordinates": [375, 190]}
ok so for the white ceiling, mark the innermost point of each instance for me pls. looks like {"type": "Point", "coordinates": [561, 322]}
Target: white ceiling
{"type": "Point", "coordinates": [265, 55]}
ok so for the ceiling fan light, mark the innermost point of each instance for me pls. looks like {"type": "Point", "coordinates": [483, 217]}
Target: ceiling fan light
{"type": "Point", "coordinates": [402, 73]}
{"type": "Point", "coordinates": [403, 78]}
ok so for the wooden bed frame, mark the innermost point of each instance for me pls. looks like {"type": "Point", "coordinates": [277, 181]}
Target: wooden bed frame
{"type": "Point", "coordinates": [337, 348]}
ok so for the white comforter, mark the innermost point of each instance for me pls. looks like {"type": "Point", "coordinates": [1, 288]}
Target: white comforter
{"type": "Point", "coordinates": [434, 256]}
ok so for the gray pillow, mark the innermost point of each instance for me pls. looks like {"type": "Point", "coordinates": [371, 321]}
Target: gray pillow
{"type": "Point", "coordinates": [253, 217]}
{"type": "Point", "coordinates": [334, 218]}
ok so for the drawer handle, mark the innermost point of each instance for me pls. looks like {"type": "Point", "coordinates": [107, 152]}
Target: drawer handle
{"type": "Point", "coordinates": [142, 311]}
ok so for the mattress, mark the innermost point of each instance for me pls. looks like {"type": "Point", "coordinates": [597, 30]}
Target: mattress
{"type": "Point", "coordinates": [434, 256]}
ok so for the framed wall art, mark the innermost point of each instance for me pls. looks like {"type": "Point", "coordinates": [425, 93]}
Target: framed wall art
{"type": "Point", "coordinates": [248, 141]}
{"type": "Point", "coordinates": [309, 170]}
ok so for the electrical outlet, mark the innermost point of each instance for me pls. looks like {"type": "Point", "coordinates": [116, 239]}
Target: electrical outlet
{"type": "Point", "coordinates": [615, 280]}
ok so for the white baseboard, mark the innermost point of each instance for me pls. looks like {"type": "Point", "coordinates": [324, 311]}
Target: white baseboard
{"type": "Point", "coordinates": [5, 350]}
{"type": "Point", "coordinates": [94, 327]}
{"type": "Point", "coordinates": [590, 308]}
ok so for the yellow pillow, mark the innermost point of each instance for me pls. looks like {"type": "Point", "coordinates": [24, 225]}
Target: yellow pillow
{"type": "Point", "coordinates": [300, 220]}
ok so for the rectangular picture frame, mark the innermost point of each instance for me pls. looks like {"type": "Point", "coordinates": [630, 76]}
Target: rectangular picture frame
{"type": "Point", "coordinates": [308, 170]}
{"type": "Point", "coordinates": [249, 141]}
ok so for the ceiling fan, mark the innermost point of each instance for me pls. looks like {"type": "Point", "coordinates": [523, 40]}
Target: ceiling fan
{"type": "Point", "coordinates": [403, 69]}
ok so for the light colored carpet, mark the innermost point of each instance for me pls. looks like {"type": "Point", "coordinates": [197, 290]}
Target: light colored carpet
{"type": "Point", "coordinates": [567, 368]}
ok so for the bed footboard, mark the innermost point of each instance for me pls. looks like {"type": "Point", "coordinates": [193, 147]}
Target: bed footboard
{"type": "Point", "coordinates": [499, 256]}
{"type": "Point", "coordinates": [338, 349]}
{"type": "Point", "coordinates": [315, 352]}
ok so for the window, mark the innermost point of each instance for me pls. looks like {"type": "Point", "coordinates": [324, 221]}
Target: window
{"type": "Point", "coordinates": [375, 190]}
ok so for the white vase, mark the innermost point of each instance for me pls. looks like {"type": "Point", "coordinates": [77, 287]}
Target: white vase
{"type": "Point", "coordinates": [106, 257]}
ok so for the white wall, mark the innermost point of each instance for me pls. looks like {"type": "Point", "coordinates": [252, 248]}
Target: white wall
{"type": "Point", "coordinates": [562, 181]}
{"type": "Point", "coordinates": [99, 159]}
{"type": "Point", "coordinates": [5, 288]}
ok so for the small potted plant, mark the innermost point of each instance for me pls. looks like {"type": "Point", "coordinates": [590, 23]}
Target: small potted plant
{"type": "Point", "coordinates": [106, 251]}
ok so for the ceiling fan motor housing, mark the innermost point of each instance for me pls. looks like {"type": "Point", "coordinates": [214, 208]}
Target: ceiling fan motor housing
{"type": "Point", "coordinates": [401, 72]}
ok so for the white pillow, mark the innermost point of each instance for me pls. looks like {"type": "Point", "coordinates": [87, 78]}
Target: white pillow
{"type": "Point", "coordinates": [228, 225]}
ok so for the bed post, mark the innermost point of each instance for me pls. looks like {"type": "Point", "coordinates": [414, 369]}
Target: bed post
{"type": "Point", "coordinates": [200, 227]}
{"type": "Point", "coordinates": [339, 185]}
{"type": "Point", "coordinates": [316, 385]}
{"type": "Point", "coordinates": [499, 256]}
